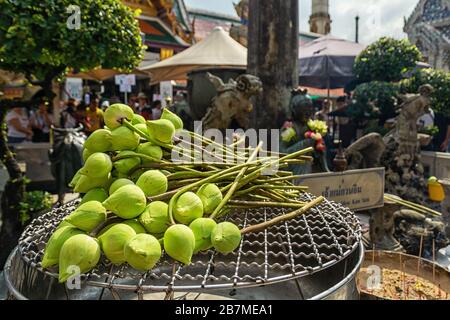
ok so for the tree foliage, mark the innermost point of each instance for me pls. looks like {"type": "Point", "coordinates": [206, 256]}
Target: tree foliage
{"type": "Point", "coordinates": [439, 80]}
{"type": "Point", "coordinates": [386, 60]}
{"type": "Point", "coordinates": [41, 38]}
{"type": "Point", "coordinates": [374, 99]}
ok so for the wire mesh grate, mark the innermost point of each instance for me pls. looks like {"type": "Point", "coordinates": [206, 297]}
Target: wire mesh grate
{"type": "Point", "coordinates": [326, 235]}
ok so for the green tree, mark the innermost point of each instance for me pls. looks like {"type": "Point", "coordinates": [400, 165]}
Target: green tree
{"type": "Point", "coordinates": [42, 40]}
{"type": "Point", "coordinates": [439, 80]}
{"type": "Point", "coordinates": [386, 60]}
{"type": "Point", "coordinates": [374, 100]}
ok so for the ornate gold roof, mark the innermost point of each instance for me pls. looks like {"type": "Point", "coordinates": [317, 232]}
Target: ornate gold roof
{"type": "Point", "coordinates": [162, 9]}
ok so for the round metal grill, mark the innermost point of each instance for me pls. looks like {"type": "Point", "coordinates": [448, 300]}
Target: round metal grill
{"type": "Point", "coordinates": [311, 243]}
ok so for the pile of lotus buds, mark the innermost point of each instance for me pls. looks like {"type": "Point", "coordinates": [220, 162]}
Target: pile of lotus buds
{"type": "Point", "coordinates": [138, 204]}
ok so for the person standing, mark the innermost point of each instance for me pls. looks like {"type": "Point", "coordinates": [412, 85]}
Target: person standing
{"type": "Point", "coordinates": [157, 110]}
{"type": "Point", "coordinates": [41, 121]}
{"type": "Point", "coordinates": [94, 116]}
{"type": "Point", "coordinates": [18, 124]}
{"type": "Point", "coordinates": [142, 103]}
{"type": "Point", "coordinates": [322, 115]}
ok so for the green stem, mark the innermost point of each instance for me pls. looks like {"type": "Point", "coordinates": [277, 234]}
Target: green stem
{"type": "Point", "coordinates": [214, 178]}
{"type": "Point", "coordinates": [280, 219]}
{"type": "Point", "coordinates": [236, 182]}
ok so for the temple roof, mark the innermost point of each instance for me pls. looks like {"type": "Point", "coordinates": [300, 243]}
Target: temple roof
{"type": "Point", "coordinates": [432, 15]}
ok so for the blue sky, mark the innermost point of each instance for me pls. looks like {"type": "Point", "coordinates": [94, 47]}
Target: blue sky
{"type": "Point", "coordinates": [378, 17]}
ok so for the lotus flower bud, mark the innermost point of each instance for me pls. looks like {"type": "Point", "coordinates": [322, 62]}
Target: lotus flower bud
{"type": "Point", "coordinates": [124, 166]}
{"type": "Point", "coordinates": [179, 243]}
{"type": "Point", "coordinates": [63, 224]}
{"type": "Point", "coordinates": [161, 130]}
{"type": "Point", "coordinates": [153, 183]}
{"type": "Point", "coordinates": [105, 229]}
{"type": "Point", "coordinates": [127, 203]}
{"type": "Point", "coordinates": [202, 229]}
{"type": "Point", "coordinates": [97, 165]}
{"type": "Point", "coordinates": [211, 197]}
{"type": "Point", "coordinates": [119, 183]}
{"type": "Point", "coordinates": [88, 216]}
{"type": "Point", "coordinates": [138, 119]}
{"type": "Point", "coordinates": [150, 150]}
{"type": "Point", "coordinates": [99, 141]}
{"type": "Point", "coordinates": [85, 183]}
{"type": "Point", "coordinates": [172, 117]}
{"type": "Point", "coordinates": [226, 237]}
{"type": "Point", "coordinates": [142, 127]}
{"type": "Point", "coordinates": [116, 113]}
{"type": "Point", "coordinates": [137, 227]}
{"type": "Point", "coordinates": [114, 240]}
{"type": "Point", "coordinates": [124, 139]}
{"type": "Point", "coordinates": [143, 252]}
{"type": "Point", "coordinates": [86, 154]}
{"type": "Point", "coordinates": [79, 251]}
{"type": "Point", "coordinates": [187, 208]}
{"type": "Point", "coordinates": [55, 243]}
{"type": "Point", "coordinates": [155, 218]}
{"type": "Point", "coordinates": [98, 194]}
{"type": "Point", "coordinates": [76, 178]}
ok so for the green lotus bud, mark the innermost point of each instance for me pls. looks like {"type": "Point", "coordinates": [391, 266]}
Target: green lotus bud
{"type": "Point", "coordinates": [211, 197]}
{"type": "Point", "coordinates": [137, 227]}
{"type": "Point", "coordinates": [143, 252]}
{"type": "Point", "coordinates": [155, 218]}
{"type": "Point", "coordinates": [142, 127]}
{"type": "Point", "coordinates": [172, 117]}
{"type": "Point", "coordinates": [86, 154]}
{"type": "Point", "coordinates": [116, 113]}
{"type": "Point", "coordinates": [81, 252]}
{"type": "Point", "coordinates": [119, 183]}
{"type": "Point", "coordinates": [138, 119]}
{"type": "Point", "coordinates": [98, 194]}
{"type": "Point", "coordinates": [75, 179]}
{"type": "Point", "coordinates": [114, 240]}
{"type": "Point", "coordinates": [226, 237]}
{"type": "Point", "coordinates": [150, 150]}
{"type": "Point", "coordinates": [137, 174]}
{"type": "Point", "coordinates": [63, 224]}
{"type": "Point", "coordinates": [103, 231]}
{"type": "Point", "coordinates": [202, 229]}
{"type": "Point", "coordinates": [55, 243]}
{"type": "Point", "coordinates": [85, 183]}
{"type": "Point", "coordinates": [124, 139]}
{"type": "Point", "coordinates": [161, 130]}
{"type": "Point", "coordinates": [179, 243]}
{"type": "Point", "coordinates": [88, 216]}
{"type": "Point", "coordinates": [187, 208]}
{"type": "Point", "coordinates": [124, 166]}
{"type": "Point", "coordinates": [153, 183]}
{"type": "Point", "coordinates": [97, 165]}
{"type": "Point", "coordinates": [99, 141]}
{"type": "Point", "coordinates": [127, 203]}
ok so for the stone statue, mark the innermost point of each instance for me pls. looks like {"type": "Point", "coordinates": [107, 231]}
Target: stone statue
{"type": "Point", "coordinates": [404, 170]}
{"type": "Point", "coordinates": [366, 152]}
{"type": "Point", "coordinates": [293, 132]}
{"type": "Point", "coordinates": [399, 150]}
{"type": "Point", "coordinates": [232, 102]}
{"type": "Point", "coordinates": [413, 107]}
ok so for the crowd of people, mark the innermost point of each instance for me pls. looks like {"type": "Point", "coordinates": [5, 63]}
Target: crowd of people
{"type": "Point", "coordinates": [35, 125]}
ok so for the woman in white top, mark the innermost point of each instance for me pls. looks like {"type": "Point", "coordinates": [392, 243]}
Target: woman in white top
{"type": "Point", "coordinates": [18, 125]}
